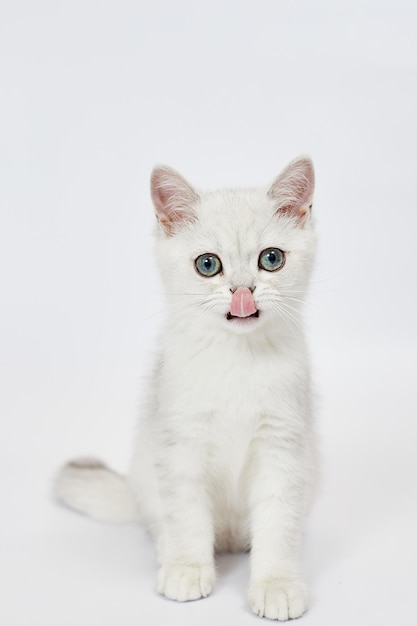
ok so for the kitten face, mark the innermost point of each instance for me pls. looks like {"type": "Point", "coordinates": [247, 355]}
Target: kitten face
{"type": "Point", "coordinates": [236, 258]}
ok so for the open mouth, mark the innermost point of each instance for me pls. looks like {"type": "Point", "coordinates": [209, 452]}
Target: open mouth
{"type": "Point", "coordinates": [229, 316]}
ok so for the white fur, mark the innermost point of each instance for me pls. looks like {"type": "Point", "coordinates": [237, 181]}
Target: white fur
{"type": "Point", "coordinates": [225, 455]}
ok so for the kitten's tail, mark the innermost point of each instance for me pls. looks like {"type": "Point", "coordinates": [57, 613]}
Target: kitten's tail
{"type": "Point", "coordinates": [90, 487]}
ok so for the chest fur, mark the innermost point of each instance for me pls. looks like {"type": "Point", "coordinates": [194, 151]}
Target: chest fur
{"type": "Point", "coordinates": [235, 380]}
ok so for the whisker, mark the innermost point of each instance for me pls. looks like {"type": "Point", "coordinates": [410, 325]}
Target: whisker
{"type": "Point", "coordinates": [293, 322]}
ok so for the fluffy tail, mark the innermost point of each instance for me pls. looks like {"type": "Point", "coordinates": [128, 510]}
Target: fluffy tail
{"type": "Point", "coordinates": [90, 487]}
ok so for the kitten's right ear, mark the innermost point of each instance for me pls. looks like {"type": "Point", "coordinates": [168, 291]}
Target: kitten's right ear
{"type": "Point", "coordinates": [174, 199]}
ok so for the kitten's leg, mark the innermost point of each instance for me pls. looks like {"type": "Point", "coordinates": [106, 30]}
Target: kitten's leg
{"type": "Point", "coordinates": [185, 536]}
{"type": "Point", "coordinates": [277, 501]}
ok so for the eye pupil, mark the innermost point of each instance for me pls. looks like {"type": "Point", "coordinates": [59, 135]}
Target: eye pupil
{"type": "Point", "coordinates": [272, 257]}
{"type": "Point", "coordinates": [208, 263]}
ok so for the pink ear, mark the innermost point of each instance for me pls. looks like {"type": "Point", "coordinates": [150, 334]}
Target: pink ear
{"type": "Point", "coordinates": [293, 190]}
{"type": "Point", "coordinates": [174, 199]}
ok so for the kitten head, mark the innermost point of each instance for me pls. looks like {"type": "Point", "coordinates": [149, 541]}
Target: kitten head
{"type": "Point", "coordinates": [236, 258]}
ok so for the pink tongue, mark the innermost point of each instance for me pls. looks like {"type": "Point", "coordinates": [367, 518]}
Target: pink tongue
{"type": "Point", "coordinates": [242, 303]}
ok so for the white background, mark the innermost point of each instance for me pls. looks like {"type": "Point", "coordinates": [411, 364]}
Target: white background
{"type": "Point", "coordinates": [93, 94]}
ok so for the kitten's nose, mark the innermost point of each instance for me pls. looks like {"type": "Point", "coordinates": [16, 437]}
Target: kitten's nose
{"type": "Point", "coordinates": [251, 289]}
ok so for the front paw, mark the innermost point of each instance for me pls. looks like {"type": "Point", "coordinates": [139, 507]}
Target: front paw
{"type": "Point", "coordinates": [278, 598]}
{"type": "Point", "coordinates": [186, 582]}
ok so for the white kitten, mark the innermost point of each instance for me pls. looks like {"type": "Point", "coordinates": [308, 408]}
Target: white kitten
{"type": "Point", "coordinates": [225, 456]}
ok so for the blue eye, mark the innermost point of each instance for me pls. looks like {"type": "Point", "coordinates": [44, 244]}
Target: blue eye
{"type": "Point", "coordinates": [271, 259]}
{"type": "Point", "coordinates": [208, 264]}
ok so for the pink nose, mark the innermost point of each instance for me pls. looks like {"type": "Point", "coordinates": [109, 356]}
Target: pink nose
{"type": "Point", "coordinates": [243, 304]}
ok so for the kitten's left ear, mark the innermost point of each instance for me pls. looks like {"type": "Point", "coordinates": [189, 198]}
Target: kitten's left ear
{"type": "Point", "coordinates": [292, 191]}
{"type": "Point", "coordinates": [174, 199]}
